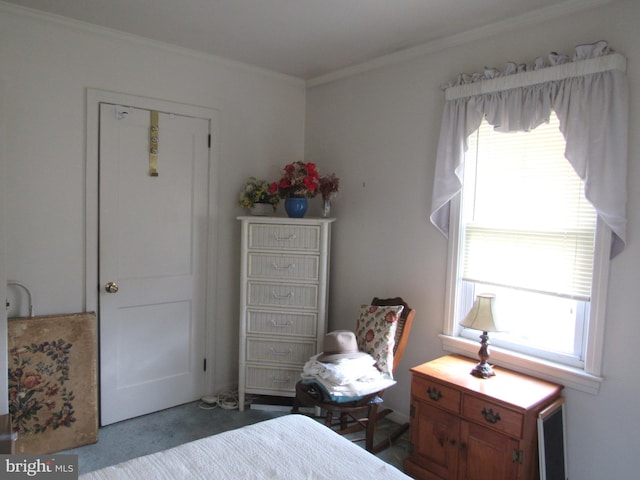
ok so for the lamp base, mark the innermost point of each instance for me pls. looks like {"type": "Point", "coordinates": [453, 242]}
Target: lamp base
{"type": "Point", "coordinates": [482, 370]}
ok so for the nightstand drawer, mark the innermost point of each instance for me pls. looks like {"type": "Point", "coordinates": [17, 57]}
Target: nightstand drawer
{"type": "Point", "coordinates": [282, 295]}
{"type": "Point", "coordinates": [286, 267]}
{"type": "Point", "coordinates": [279, 351]}
{"type": "Point", "coordinates": [275, 379]}
{"type": "Point", "coordinates": [284, 237]}
{"type": "Point", "coordinates": [492, 415]}
{"type": "Point", "coordinates": [279, 323]}
{"type": "Point", "coordinates": [436, 394]}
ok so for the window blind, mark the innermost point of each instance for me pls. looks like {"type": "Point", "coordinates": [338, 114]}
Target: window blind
{"type": "Point", "coordinates": [526, 223]}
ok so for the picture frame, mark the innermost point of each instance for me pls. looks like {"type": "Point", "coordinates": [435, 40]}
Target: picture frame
{"type": "Point", "coordinates": [552, 443]}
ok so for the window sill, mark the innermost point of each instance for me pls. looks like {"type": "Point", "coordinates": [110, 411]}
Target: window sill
{"type": "Point", "coordinates": [569, 377]}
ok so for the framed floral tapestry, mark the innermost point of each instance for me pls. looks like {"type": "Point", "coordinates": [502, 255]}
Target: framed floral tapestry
{"type": "Point", "coordinates": [53, 382]}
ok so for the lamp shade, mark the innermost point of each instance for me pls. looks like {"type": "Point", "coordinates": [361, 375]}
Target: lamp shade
{"type": "Point", "coordinates": [482, 315]}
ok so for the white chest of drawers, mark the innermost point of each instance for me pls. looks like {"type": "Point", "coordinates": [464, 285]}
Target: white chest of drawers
{"type": "Point", "coordinates": [283, 301]}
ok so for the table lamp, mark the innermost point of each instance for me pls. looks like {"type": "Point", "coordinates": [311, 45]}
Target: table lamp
{"type": "Point", "coordinates": [482, 317]}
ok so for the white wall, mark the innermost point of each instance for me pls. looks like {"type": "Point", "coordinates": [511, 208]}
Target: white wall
{"type": "Point", "coordinates": [45, 67]}
{"type": "Point", "coordinates": [378, 130]}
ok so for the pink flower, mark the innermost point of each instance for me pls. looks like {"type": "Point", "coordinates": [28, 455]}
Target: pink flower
{"type": "Point", "coordinates": [298, 179]}
{"type": "Point", "coordinates": [52, 390]}
{"type": "Point", "coordinates": [369, 336]}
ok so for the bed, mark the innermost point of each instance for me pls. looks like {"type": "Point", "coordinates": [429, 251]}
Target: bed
{"type": "Point", "coordinates": [292, 447]}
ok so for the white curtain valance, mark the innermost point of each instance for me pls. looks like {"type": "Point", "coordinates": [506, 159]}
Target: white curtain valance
{"type": "Point", "coordinates": [590, 97]}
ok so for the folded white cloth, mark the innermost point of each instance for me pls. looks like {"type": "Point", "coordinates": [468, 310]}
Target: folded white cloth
{"type": "Point", "coordinates": [344, 371]}
{"type": "Point", "coordinates": [348, 377]}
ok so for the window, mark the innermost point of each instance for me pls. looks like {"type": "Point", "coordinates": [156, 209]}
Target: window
{"type": "Point", "coordinates": [527, 234]}
{"type": "Point", "coordinates": [547, 257]}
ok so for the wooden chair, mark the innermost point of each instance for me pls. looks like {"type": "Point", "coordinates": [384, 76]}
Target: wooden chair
{"type": "Point", "coordinates": [364, 413]}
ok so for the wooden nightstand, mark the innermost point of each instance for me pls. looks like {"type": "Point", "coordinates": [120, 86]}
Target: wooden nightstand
{"type": "Point", "coordinates": [467, 428]}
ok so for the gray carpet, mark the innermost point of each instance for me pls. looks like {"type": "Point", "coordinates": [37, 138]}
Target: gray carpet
{"type": "Point", "coordinates": [169, 428]}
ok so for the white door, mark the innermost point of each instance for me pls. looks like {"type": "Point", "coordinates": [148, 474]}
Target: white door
{"type": "Point", "coordinates": [153, 253]}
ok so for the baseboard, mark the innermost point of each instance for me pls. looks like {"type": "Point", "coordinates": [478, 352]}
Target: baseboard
{"type": "Point", "coordinates": [398, 417]}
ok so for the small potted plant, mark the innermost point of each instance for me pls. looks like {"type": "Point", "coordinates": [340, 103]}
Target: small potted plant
{"type": "Point", "coordinates": [299, 182]}
{"type": "Point", "coordinates": [258, 197]}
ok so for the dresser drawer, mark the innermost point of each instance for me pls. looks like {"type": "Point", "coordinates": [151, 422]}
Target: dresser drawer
{"type": "Point", "coordinates": [278, 323]}
{"type": "Point", "coordinates": [275, 379]}
{"type": "Point", "coordinates": [282, 295]}
{"type": "Point", "coordinates": [436, 394]}
{"type": "Point", "coordinates": [279, 351]}
{"type": "Point", "coordinates": [284, 237]}
{"type": "Point", "coordinates": [492, 415]}
{"type": "Point", "coordinates": [286, 267]}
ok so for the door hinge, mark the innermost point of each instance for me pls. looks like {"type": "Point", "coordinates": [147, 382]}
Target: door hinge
{"type": "Point", "coordinates": [209, 141]}
{"type": "Point", "coordinates": [410, 449]}
{"type": "Point", "coordinates": [205, 365]}
{"type": "Point", "coordinates": [412, 411]}
{"type": "Point", "coordinates": [518, 456]}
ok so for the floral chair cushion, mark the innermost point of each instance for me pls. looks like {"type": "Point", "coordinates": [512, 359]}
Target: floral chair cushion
{"type": "Point", "coordinates": [375, 331]}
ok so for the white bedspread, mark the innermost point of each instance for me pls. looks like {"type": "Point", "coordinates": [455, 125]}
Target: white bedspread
{"type": "Point", "coordinates": [290, 447]}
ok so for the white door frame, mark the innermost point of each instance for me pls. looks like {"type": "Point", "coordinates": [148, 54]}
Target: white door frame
{"type": "Point", "coordinates": [94, 98]}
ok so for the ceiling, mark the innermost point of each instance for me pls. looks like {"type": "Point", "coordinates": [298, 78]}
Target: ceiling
{"type": "Point", "coordinates": [302, 38]}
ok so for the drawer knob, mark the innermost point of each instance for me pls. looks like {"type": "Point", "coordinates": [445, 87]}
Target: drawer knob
{"type": "Point", "coordinates": [278, 296]}
{"type": "Point", "coordinates": [490, 416]}
{"type": "Point", "coordinates": [434, 394]}
{"type": "Point", "coordinates": [287, 238]}
{"type": "Point", "coordinates": [285, 267]}
{"type": "Point", "coordinates": [280, 380]}
{"type": "Point", "coordinates": [282, 325]}
{"type": "Point", "coordinates": [283, 353]}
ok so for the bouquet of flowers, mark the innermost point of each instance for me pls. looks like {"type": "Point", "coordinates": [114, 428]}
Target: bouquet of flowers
{"type": "Point", "coordinates": [257, 191]}
{"type": "Point", "coordinates": [298, 179]}
{"type": "Point", "coordinates": [328, 185]}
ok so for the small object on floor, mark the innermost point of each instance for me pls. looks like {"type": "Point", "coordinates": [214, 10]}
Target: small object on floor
{"type": "Point", "coordinates": [225, 400]}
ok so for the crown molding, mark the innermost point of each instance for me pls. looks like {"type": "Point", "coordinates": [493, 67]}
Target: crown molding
{"type": "Point", "coordinates": [110, 33]}
{"type": "Point", "coordinates": [562, 9]}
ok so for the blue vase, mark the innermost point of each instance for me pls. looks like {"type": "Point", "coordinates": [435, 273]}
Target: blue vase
{"type": "Point", "coordinates": [296, 207]}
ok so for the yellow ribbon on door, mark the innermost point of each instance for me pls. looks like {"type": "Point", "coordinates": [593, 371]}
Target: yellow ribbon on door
{"type": "Point", "coordinates": [153, 144]}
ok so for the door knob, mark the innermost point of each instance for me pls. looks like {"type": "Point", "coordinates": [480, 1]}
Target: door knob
{"type": "Point", "coordinates": [111, 287]}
